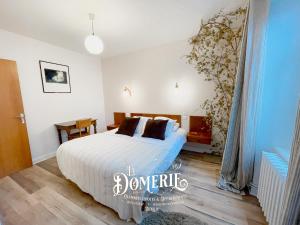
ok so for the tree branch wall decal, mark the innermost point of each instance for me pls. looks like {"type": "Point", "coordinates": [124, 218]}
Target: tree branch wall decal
{"type": "Point", "coordinates": [215, 55]}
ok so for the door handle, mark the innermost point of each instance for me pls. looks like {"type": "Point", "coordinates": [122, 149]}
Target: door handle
{"type": "Point", "coordinates": [21, 117]}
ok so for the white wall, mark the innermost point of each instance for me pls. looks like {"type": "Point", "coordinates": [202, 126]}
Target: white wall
{"type": "Point", "coordinates": [43, 110]}
{"type": "Point", "coordinates": [152, 75]}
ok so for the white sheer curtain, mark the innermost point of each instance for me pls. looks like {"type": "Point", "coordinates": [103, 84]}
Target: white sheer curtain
{"type": "Point", "coordinates": [238, 159]}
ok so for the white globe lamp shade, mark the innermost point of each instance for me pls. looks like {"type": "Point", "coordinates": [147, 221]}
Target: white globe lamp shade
{"type": "Point", "coordinates": [93, 44]}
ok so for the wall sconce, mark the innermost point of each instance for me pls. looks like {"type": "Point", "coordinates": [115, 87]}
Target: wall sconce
{"type": "Point", "coordinates": [127, 91]}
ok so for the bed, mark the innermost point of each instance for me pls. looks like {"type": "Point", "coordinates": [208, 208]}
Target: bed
{"type": "Point", "coordinates": [91, 162]}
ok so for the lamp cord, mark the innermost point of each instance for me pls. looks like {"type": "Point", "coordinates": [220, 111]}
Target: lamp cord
{"type": "Point", "coordinates": [93, 33]}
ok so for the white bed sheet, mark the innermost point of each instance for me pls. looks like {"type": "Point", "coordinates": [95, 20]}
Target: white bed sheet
{"type": "Point", "coordinates": [91, 162]}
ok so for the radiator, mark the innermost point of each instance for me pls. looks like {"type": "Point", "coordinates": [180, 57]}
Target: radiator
{"type": "Point", "coordinates": [273, 173]}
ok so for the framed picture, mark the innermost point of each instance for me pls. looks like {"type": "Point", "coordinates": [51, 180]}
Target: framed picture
{"type": "Point", "coordinates": [55, 77]}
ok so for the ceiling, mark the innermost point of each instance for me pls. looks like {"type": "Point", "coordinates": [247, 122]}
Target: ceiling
{"type": "Point", "coordinates": [124, 25]}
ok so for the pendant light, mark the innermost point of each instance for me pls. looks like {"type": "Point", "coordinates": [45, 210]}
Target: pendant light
{"type": "Point", "coordinates": [93, 43]}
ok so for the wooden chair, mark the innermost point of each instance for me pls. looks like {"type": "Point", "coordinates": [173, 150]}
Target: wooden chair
{"type": "Point", "coordinates": [84, 128]}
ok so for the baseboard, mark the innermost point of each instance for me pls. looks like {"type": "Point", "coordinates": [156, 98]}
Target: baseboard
{"type": "Point", "coordinates": [43, 157]}
{"type": "Point", "coordinates": [253, 189]}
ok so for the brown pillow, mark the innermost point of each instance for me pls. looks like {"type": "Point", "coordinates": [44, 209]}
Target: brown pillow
{"type": "Point", "coordinates": [128, 126]}
{"type": "Point", "coordinates": [155, 129]}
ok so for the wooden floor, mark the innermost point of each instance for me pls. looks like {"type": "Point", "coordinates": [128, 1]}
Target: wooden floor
{"type": "Point", "coordinates": [41, 195]}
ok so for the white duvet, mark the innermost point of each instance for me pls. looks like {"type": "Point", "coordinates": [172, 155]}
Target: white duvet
{"type": "Point", "coordinates": [91, 162]}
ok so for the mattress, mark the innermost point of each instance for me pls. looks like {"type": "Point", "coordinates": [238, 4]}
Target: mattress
{"type": "Point", "coordinates": [92, 161]}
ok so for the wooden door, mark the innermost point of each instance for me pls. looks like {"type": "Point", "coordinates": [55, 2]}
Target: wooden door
{"type": "Point", "coordinates": [14, 146]}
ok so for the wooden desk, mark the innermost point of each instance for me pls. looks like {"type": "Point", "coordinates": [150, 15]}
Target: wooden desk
{"type": "Point", "coordinates": [69, 126]}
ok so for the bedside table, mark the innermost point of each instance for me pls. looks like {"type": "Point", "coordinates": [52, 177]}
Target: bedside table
{"type": "Point", "coordinates": [198, 137]}
{"type": "Point", "coordinates": [112, 126]}
{"type": "Point", "coordinates": [198, 142]}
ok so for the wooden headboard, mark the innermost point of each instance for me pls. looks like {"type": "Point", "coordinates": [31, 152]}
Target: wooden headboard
{"type": "Point", "coordinates": [200, 124]}
{"type": "Point", "coordinates": [171, 116]}
{"type": "Point", "coordinates": [119, 117]}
